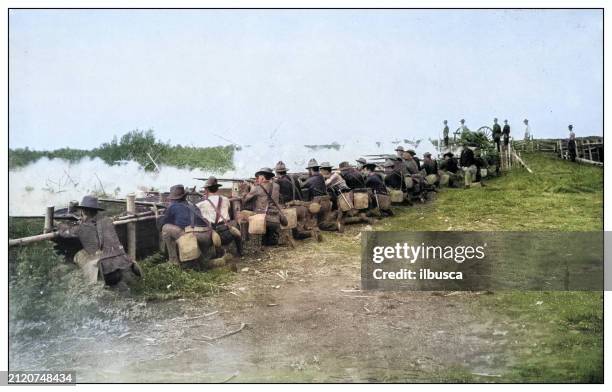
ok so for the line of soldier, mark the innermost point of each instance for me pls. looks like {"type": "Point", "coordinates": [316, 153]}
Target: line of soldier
{"type": "Point", "coordinates": [325, 198]}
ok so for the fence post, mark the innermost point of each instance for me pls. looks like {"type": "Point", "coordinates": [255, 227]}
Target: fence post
{"type": "Point", "coordinates": [49, 219]}
{"type": "Point", "coordinates": [131, 227]}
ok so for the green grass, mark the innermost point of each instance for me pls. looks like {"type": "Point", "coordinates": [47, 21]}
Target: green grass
{"type": "Point", "coordinates": [163, 280]}
{"type": "Point", "coordinates": [560, 195]}
{"type": "Point", "coordinates": [560, 336]}
{"type": "Point", "coordinates": [563, 337]}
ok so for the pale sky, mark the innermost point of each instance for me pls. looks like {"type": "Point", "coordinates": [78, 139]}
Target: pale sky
{"type": "Point", "coordinates": [315, 76]}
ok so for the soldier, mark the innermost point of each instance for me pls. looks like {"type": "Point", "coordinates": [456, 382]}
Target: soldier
{"type": "Point", "coordinates": [353, 177]}
{"type": "Point", "coordinates": [430, 165]}
{"type": "Point", "coordinates": [497, 132]}
{"type": "Point", "coordinates": [506, 132]}
{"type": "Point", "coordinates": [265, 195]}
{"type": "Point", "coordinates": [215, 208]}
{"type": "Point", "coordinates": [182, 216]}
{"type": "Point", "coordinates": [449, 167]}
{"type": "Point", "coordinates": [445, 133]}
{"type": "Point", "coordinates": [289, 186]}
{"type": "Point", "coordinates": [102, 252]}
{"type": "Point", "coordinates": [571, 144]}
{"type": "Point", "coordinates": [360, 163]}
{"type": "Point", "coordinates": [449, 163]}
{"type": "Point", "coordinates": [527, 129]}
{"type": "Point", "coordinates": [468, 164]}
{"type": "Point", "coordinates": [416, 159]}
{"type": "Point", "coordinates": [379, 198]}
{"type": "Point", "coordinates": [412, 167]}
{"type": "Point", "coordinates": [393, 179]}
{"type": "Point", "coordinates": [315, 190]}
{"type": "Point", "coordinates": [481, 166]}
{"type": "Point", "coordinates": [314, 186]}
{"type": "Point", "coordinates": [333, 180]}
{"type": "Point", "coordinates": [399, 150]}
{"type": "Point", "coordinates": [463, 128]}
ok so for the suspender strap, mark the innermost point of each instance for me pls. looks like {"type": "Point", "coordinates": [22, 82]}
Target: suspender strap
{"type": "Point", "coordinates": [217, 210]}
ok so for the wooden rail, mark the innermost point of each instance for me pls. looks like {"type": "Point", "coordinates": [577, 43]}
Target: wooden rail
{"type": "Point", "coordinates": [588, 149]}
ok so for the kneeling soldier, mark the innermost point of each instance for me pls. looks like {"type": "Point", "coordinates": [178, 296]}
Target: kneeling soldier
{"type": "Point", "coordinates": [265, 195]}
{"type": "Point", "coordinates": [183, 217]}
{"type": "Point", "coordinates": [102, 253]}
{"type": "Point", "coordinates": [379, 198]}
{"type": "Point", "coordinates": [215, 209]}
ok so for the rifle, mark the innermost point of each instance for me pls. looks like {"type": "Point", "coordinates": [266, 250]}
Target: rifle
{"type": "Point", "coordinates": [228, 179]}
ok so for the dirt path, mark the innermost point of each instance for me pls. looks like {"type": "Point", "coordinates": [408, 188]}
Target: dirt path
{"type": "Point", "coordinates": [306, 320]}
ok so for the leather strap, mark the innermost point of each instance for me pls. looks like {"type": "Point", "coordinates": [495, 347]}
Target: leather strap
{"type": "Point", "coordinates": [272, 200]}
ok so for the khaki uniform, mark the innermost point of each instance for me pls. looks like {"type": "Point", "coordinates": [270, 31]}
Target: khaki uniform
{"type": "Point", "coordinates": [101, 251]}
{"type": "Point", "coordinates": [263, 205]}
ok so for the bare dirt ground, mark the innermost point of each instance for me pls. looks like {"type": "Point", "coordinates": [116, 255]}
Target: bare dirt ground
{"type": "Point", "coordinates": [305, 319]}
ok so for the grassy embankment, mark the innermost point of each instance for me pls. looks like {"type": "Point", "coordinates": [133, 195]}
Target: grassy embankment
{"type": "Point", "coordinates": [563, 331]}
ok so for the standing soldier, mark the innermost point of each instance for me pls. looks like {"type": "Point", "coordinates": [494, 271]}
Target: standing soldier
{"type": "Point", "coordinates": [445, 133]}
{"type": "Point", "coordinates": [497, 132]}
{"type": "Point", "coordinates": [527, 130]}
{"type": "Point", "coordinates": [215, 208]}
{"type": "Point", "coordinates": [571, 144]}
{"type": "Point", "coordinates": [265, 193]}
{"type": "Point", "coordinates": [102, 253]}
{"type": "Point", "coordinates": [463, 128]}
{"type": "Point", "coordinates": [506, 132]}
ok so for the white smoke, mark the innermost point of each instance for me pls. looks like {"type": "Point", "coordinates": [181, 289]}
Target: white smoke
{"type": "Point", "coordinates": [55, 182]}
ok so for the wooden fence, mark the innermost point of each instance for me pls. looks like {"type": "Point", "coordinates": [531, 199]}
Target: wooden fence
{"type": "Point", "coordinates": [588, 149]}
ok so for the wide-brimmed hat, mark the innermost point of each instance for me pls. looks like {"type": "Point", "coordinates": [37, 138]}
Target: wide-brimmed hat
{"type": "Point", "coordinates": [344, 165]}
{"type": "Point", "coordinates": [361, 161]}
{"type": "Point", "coordinates": [399, 148]}
{"type": "Point", "coordinates": [462, 120]}
{"type": "Point", "coordinates": [312, 164]}
{"type": "Point", "coordinates": [212, 183]}
{"type": "Point", "coordinates": [265, 171]}
{"type": "Point", "coordinates": [90, 202]}
{"type": "Point", "coordinates": [280, 167]}
{"type": "Point", "coordinates": [411, 152]}
{"type": "Point", "coordinates": [369, 165]}
{"type": "Point", "coordinates": [325, 165]}
{"type": "Point", "coordinates": [177, 192]}
{"type": "Point", "coordinates": [427, 154]}
{"type": "Point", "coordinates": [449, 154]}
